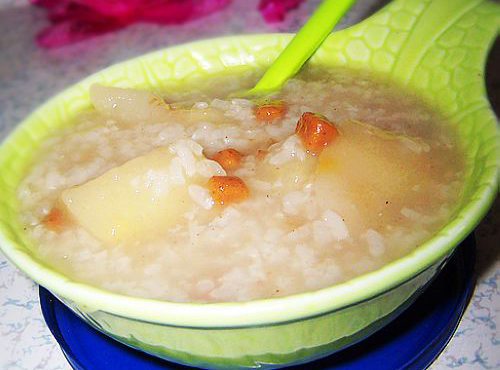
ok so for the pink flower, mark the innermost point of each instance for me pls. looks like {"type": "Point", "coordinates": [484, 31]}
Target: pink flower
{"type": "Point", "coordinates": [275, 10]}
{"type": "Point", "coordinates": [75, 20]}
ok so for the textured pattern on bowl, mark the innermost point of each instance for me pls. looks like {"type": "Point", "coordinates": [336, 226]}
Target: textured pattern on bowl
{"type": "Point", "coordinates": [436, 47]}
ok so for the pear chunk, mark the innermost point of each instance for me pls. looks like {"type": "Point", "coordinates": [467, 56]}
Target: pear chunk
{"type": "Point", "coordinates": [374, 169]}
{"type": "Point", "coordinates": [143, 196]}
{"type": "Point", "coordinates": [129, 106]}
{"type": "Point", "coordinates": [133, 106]}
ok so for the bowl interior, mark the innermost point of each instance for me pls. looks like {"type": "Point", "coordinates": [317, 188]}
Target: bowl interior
{"type": "Point", "coordinates": [446, 72]}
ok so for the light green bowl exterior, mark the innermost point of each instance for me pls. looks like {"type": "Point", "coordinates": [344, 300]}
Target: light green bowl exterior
{"type": "Point", "coordinates": [435, 47]}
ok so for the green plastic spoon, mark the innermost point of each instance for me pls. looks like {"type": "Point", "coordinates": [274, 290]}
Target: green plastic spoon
{"type": "Point", "coordinates": [301, 47]}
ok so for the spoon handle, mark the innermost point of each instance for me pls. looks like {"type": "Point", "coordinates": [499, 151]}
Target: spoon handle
{"type": "Point", "coordinates": [303, 45]}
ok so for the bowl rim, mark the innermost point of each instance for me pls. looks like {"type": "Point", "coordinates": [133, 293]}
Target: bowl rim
{"type": "Point", "coordinates": [257, 312]}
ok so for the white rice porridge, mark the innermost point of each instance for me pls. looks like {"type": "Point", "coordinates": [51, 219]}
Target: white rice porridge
{"type": "Point", "coordinates": [387, 181]}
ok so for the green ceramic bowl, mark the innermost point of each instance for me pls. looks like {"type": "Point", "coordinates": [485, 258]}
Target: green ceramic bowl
{"type": "Point", "coordinates": [436, 47]}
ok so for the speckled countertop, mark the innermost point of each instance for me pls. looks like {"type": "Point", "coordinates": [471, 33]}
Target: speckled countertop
{"type": "Point", "coordinates": [30, 75]}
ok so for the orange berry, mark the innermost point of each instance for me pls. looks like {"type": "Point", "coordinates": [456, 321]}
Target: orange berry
{"type": "Point", "coordinates": [269, 112]}
{"type": "Point", "coordinates": [55, 220]}
{"type": "Point", "coordinates": [227, 189]}
{"type": "Point", "coordinates": [315, 131]}
{"type": "Point", "coordinates": [229, 159]}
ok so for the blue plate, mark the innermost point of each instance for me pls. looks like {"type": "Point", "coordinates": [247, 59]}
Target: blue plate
{"type": "Point", "coordinates": [412, 341]}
